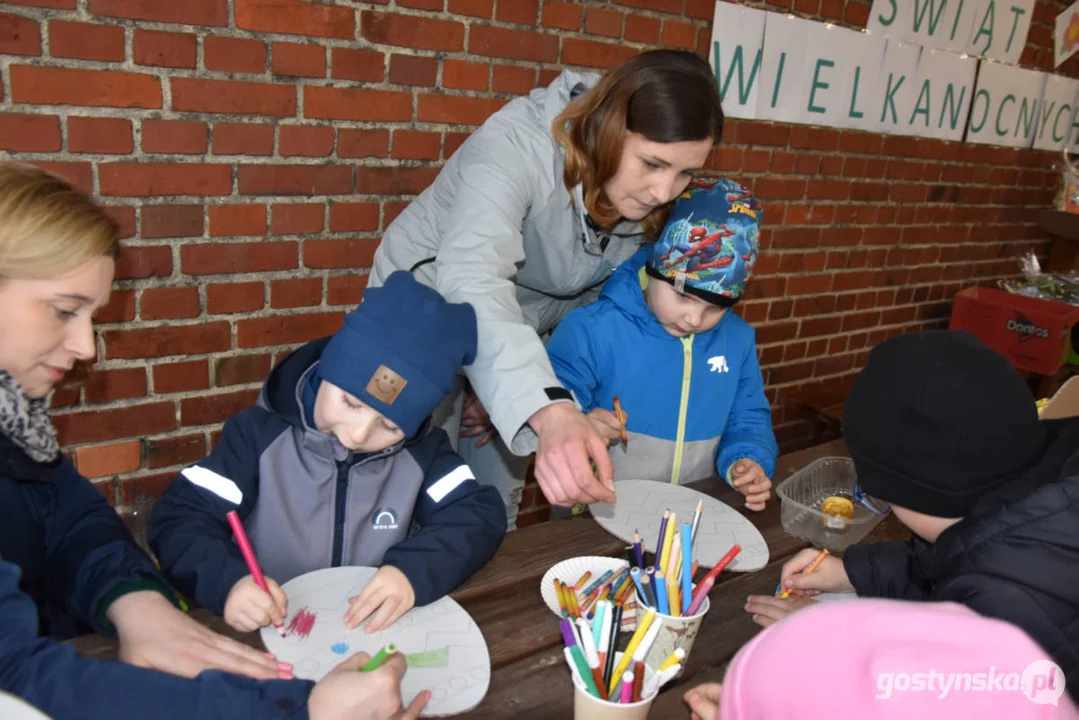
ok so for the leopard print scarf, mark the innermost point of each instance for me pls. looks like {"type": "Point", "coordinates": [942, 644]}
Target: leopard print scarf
{"type": "Point", "coordinates": [26, 421]}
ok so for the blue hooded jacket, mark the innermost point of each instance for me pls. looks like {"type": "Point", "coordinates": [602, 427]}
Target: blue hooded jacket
{"type": "Point", "coordinates": [695, 405]}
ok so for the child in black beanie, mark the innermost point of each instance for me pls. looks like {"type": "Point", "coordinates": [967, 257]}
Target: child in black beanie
{"type": "Point", "coordinates": [945, 430]}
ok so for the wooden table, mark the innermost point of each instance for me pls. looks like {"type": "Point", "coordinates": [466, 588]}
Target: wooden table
{"type": "Point", "coordinates": [529, 676]}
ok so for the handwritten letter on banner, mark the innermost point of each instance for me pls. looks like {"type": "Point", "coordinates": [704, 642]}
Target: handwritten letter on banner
{"type": "Point", "coordinates": [786, 69]}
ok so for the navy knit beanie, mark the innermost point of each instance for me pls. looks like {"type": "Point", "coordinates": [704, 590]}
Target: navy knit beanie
{"type": "Point", "coordinates": [400, 350]}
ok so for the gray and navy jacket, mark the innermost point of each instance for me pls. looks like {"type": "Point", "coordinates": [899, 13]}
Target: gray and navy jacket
{"type": "Point", "coordinates": [309, 503]}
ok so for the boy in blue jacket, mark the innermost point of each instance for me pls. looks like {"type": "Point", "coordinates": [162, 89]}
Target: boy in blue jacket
{"type": "Point", "coordinates": [337, 465]}
{"type": "Point", "coordinates": [661, 339]}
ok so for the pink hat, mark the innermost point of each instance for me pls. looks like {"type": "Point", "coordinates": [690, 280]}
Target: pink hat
{"type": "Point", "coordinates": [885, 659]}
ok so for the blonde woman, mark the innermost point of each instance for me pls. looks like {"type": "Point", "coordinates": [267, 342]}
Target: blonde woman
{"type": "Point", "coordinates": [67, 563]}
{"type": "Point", "coordinates": [526, 221]}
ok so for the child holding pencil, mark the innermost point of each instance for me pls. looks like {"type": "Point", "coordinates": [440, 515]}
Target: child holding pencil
{"type": "Point", "coordinates": [338, 465]}
{"type": "Point", "coordinates": [945, 430]}
{"type": "Point", "coordinates": [662, 343]}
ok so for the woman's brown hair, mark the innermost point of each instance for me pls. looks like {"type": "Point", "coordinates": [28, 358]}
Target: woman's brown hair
{"type": "Point", "coordinates": [665, 95]}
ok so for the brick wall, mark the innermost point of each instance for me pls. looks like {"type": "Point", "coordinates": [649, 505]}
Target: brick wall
{"type": "Point", "coordinates": [254, 150]}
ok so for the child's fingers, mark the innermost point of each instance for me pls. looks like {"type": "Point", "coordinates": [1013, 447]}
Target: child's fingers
{"type": "Point", "coordinates": [280, 600]}
{"type": "Point", "coordinates": [386, 614]}
{"type": "Point", "coordinates": [797, 564]}
{"type": "Point", "coordinates": [364, 604]}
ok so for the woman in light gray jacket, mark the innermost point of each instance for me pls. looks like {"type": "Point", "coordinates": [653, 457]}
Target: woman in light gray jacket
{"type": "Point", "coordinates": [526, 221]}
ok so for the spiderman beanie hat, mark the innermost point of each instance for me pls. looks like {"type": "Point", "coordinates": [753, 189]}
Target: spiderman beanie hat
{"type": "Point", "coordinates": [710, 243]}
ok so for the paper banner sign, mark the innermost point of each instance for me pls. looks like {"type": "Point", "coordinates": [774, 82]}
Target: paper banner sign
{"type": "Point", "coordinates": [1006, 106]}
{"type": "Point", "coordinates": [1066, 34]}
{"type": "Point", "coordinates": [994, 29]}
{"type": "Point", "coordinates": [1056, 119]}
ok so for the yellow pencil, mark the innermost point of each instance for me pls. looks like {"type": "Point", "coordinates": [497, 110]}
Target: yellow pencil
{"type": "Point", "coordinates": [674, 595]}
{"type": "Point", "coordinates": [812, 566]}
{"type": "Point", "coordinates": [627, 654]}
{"type": "Point", "coordinates": [668, 538]}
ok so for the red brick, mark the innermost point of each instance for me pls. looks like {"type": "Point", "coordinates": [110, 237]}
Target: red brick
{"type": "Point", "coordinates": [189, 12]}
{"type": "Point", "coordinates": [814, 138]}
{"type": "Point", "coordinates": [415, 145]}
{"type": "Point", "coordinates": [120, 308]}
{"type": "Point", "coordinates": [103, 460]}
{"type": "Point", "coordinates": [679, 34]}
{"type": "Point", "coordinates": [394, 180]}
{"type": "Point", "coordinates": [462, 75]}
{"type": "Point", "coordinates": [700, 9]}
{"type": "Point", "coordinates": [169, 221]}
{"type": "Point", "coordinates": [562, 15]}
{"type": "Point", "coordinates": [224, 258]}
{"type": "Point", "coordinates": [29, 133]}
{"type": "Point", "coordinates": [349, 104]}
{"type": "Point", "coordinates": [296, 17]}
{"type": "Point", "coordinates": [132, 421]}
{"type": "Point", "coordinates": [512, 44]}
{"type": "Point", "coordinates": [85, 41]}
{"type": "Point", "coordinates": [244, 369]}
{"type": "Point", "coordinates": [306, 140]}
{"type": "Point", "coordinates": [176, 50]}
{"type": "Point", "coordinates": [295, 292]}
{"type": "Point", "coordinates": [295, 179]}
{"type": "Point", "coordinates": [673, 7]}
{"type": "Point", "coordinates": [285, 329]}
{"type": "Point", "coordinates": [234, 54]}
{"type": "Point", "coordinates": [759, 133]}
{"type": "Point", "coordinates": [227, 298]}
{"type": "Point", "coordinates": [171, 340]}
{"type": "Point", "coordinates": [413, 70]}
{"type": "Point", "coordinates": [94, 88]}
{"type": "Point", "coordinates": [210, 409]}
{"type": "Point", "coordinates": [779, 188]}
{"type": "Point", "coordinates": [185, 376]}
{"type": "Point", "coordinates": [132, 489]}
{"type": "Point", "coordinates": [363, 143]}
{"type": "Point", "coordinates": [354, 216]}
{"type": "Point", "coordinates": [548, 76]}
{"type": "Point", "coordinates": [456, 110]}
{"type": "Point", "coordinates": [323, 254]}
{"type": "Point", "coordinates": [472, 8]}
{"type": "Point", "coordinates": [123, 384]}
{"type": "Point", "coordinates": [298, 60]}
{"type": "Point", "coordinates": [169, 451]}
{"type": "Point", "coordinates": [857, 15]}
{"type": "Point", "coordinates": [412, 31]}
{"type": "Point", "coordinates": [19, 35]}
{"type": "Point", "coordinates": [174, 136]}
{"type": "Point", "coordinates": [642, 29]}
{"type": "Point", "coordinates": [57, 4]}
{"type": "Point", "coordinates": [345, 290]}
{"type": "Point", "coordinates": [599, 21]}
{"type": "Point", "coordinates": [243, 139]}
{"type": "Point", "coordinates": [169, 303]}
{"type": "Point", "coordinates": [232, 220]}
{"type": "Point", "coordinates": [98, 135]}
{"type": "Point", "coordinates": [137, 262]}
{"type": "Point", "coordinates": [225, 96]}
{"type": "Point", "coordinates": [421, 4]}
{"type": "Point", "coordinates": [452, 142]}
{"type": "Point", "coordinates": [79, 174]}
{"type": "Point", "coordinates": [594, 54]}
{"type": "Point", "coordinates": [390, 211]}
{"type": "Point", "coordinates": [513, 79]}
{"type": "Point", "coordinates": [150, 179]}
{"type": "Point", "coordinates": [522, 12]}
{"type": "Point", "coordinates": [297, 219]}
{"type": "Point", "coordinates": [362, 65]}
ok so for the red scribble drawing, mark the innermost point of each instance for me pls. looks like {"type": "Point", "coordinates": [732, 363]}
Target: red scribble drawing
{"type": "Point", "coordinates": [302, 623]}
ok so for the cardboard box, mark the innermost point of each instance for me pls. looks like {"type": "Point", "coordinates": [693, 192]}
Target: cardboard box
{"type": "Point", "coordinates": [1033, 334]}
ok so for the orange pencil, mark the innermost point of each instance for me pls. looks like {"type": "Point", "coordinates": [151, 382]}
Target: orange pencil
{"type": "Point", "coordinates": [812, 566]}
{"type": "Point", "coordinates": [584, 578]}
{"type": "Point", "coordinates": [622, 419]}
{"type": "Point", "coordinates": [561, 598]}
{"type": "Point", "coordinates": [571, 601]}
{"type": "Point", "coordinates": [638, 679]}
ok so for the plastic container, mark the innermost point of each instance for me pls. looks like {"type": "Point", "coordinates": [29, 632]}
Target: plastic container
{"type": "Point", "coordinates": [803, 492]}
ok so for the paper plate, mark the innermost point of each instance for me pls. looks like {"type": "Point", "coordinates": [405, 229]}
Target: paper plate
{"type": "Point", "coordinates": [570, 571]}
{"type": "Point", "coordinates": [445, 649]}
{"type": "Point", "coordinates": [639, 508]}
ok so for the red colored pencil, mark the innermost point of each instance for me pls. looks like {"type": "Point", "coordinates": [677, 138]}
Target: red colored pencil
{"type": "Point", "coordinates": [249, 557]}
{"type": "Point", "coordinates": [723, 562]}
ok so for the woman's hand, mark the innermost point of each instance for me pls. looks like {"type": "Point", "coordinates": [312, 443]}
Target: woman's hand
{"type": "Point", "coordinates": [154, 634]}
{"type": "Point", "coordinates": [703, 701]}
{"type": "Point", "coordinates": [769, 609]}
{"type": "Point", "coordinates": [347, 692]}
{"type": "Point", "coordinates": [567, 441]}
{"type": "Point", "coordinates": [475, 421]}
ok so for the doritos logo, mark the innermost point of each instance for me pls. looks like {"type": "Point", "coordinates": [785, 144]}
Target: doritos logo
{"type": "Point", "coordinates": [1026, 329]}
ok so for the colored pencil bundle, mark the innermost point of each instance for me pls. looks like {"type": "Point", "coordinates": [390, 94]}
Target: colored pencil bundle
{"type": "Point", "coordinates": [580, 600]}
{"type": "Point", "coordinates": [666, 585]}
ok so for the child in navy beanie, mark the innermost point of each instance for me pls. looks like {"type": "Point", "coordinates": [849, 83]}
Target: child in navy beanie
{"type": "Point", "coordinates": [338, 465]}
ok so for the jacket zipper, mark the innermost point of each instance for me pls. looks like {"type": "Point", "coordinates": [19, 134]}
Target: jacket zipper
{"type": "Point", "coordinates": [340, 501]}
{"type": "Point", "coordinates": [687, 373]}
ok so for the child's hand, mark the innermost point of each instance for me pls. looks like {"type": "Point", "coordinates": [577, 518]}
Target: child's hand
{"type": "Point", "coordinates": [389, 592]}
{"type": "Point", "coordinates": [748, 478]}
{"type": "Point", "coordinates": [249, 607]}
{"type": "Point", "coordinates": [606, 424]}
{"type": "Point", "coordinates": [703, 701]}
{"type": "Point", "coordinates": [476, 422]}
{"type": "Point", "coordinates": [830, 575]}
{"type": "Point", "coordinates": [769, 609]}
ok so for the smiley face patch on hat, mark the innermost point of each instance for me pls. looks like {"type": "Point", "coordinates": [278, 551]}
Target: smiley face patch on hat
{"type": "Point", "coordinates": [385, 385]}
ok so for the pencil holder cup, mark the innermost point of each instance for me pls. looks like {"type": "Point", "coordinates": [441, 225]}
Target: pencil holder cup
{"type": "Point", "coordinates": [675, 632]}
{"type": "Point", "coordinates": [589, 707]}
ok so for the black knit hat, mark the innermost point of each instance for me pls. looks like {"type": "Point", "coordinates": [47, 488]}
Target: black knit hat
{"type": "Point", "coordinates": [937, 420]}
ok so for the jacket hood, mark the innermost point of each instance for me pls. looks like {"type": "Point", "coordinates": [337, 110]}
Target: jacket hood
{"type": "Point", "coordinates": [280, 394]}
{"type": "Point", "coordinates": [562, 89]}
